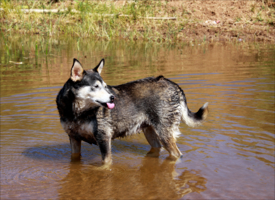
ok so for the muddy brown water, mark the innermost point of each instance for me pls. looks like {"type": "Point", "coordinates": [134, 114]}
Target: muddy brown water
{"type": "Point", "coordinates": [230, 157]}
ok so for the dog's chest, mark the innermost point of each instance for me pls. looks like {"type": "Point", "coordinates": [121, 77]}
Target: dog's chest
{"type": "Point", "coordinates": [85, 129]}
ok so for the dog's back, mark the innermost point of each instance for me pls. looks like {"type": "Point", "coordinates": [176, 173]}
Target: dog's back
{"type": "Point", "coordinates": [146, 102]}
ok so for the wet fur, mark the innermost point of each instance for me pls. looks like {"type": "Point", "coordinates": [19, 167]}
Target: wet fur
{"type": "Point", "coordinates": [155, 106]}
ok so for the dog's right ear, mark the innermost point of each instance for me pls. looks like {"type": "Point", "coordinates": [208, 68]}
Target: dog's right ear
{"type": "Point", "coordinates": [76, 71]}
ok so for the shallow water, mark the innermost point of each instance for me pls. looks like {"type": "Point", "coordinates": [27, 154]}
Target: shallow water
{"type": "Point", "coordinates": [230, 157]}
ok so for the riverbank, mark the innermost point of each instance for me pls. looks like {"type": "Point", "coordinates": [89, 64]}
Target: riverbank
{"type": "Point", "coordinates": [159, 21]}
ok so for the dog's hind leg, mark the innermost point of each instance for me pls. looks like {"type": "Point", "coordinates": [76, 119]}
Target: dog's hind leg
{"type": "Point", "coordinates": [168, 141]}
{"type": "Point", "coordinates": [75, 148]}
{"type": "Point", "coordinates": [170, 145]}
{"type": "Point", "coordinates": [153, 140]}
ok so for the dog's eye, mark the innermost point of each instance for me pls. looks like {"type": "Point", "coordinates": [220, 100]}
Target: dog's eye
{"type": "Point", "coordinates": [96, 86]}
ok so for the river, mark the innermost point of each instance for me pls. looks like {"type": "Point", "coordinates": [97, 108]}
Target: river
{"type": "Point", "coordinates": [231, 156]}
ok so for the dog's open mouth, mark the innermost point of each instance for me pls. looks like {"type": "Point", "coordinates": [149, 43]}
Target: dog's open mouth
{"type": "Point", "coordinates": [108, 105]}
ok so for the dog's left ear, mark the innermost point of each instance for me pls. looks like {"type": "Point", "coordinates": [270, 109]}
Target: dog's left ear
{"type": "Point", "coordinates": [76, 71]}
{"type": "Point", "coordinates": [99, 67]}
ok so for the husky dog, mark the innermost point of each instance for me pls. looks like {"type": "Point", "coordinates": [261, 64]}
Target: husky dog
{"type": "Point", "coordinates": [92, 111]}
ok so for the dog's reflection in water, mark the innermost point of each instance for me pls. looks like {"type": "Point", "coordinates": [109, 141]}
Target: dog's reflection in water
{"type": "Point", "coordinates": [154, 179]}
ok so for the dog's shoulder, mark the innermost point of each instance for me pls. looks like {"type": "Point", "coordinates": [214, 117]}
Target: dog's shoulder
{"type": "Point", "coordinates": [159, 78]}
{"type": "Point", "coordinates": [140, 81]}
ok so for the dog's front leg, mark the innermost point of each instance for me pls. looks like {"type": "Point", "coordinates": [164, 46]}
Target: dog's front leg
{"type": "Point", "coordinates": [104, 143]}
{"type": "Point", "coordinates": [75, 148]}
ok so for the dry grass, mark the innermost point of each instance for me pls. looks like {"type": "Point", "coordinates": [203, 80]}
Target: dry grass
{"type": "Point", "coordinates": [248, 20]}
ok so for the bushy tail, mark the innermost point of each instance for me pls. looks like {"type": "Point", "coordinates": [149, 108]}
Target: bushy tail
{"type": "Point", "coordinates": [194, 119]}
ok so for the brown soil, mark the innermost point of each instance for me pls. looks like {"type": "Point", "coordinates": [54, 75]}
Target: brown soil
{"type": "Point", "coordinates": [250, 20]}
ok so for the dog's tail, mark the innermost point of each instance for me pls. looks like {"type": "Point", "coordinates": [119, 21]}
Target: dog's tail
{"type": "Point", "coordinates": [190, 118]}
{"type": "Point", "coordinates": [194, 119]}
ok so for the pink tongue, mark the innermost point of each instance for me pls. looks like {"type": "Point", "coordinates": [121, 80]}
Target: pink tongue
{"type": "Point", "coordinates": [110, 105]}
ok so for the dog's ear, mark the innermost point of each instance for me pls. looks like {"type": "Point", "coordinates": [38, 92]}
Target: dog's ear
{"type": "Point", "coordinates": [99, 67]}
{"type": "Point", "coordinates": [76, 71]}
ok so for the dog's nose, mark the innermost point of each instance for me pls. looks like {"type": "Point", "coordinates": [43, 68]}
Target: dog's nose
{"type": "Point", "coordinates": [112, 98]}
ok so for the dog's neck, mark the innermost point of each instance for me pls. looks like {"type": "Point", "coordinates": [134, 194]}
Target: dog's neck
{"type": "Point", "coordinates": [80, 106]}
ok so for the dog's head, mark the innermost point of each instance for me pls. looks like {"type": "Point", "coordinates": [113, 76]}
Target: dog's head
{"type": "Point", "coordinates": [89, 87]}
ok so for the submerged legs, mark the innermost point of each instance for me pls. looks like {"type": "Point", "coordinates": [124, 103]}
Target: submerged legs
{"type": "Point", "coordinates": [153, 140]}
{"type": "Point", "coordinates": [166, 138]}
{"type": "Point", "coordinates": [104, 143]}
{"type": "Point", "coordinates": [75, 147]}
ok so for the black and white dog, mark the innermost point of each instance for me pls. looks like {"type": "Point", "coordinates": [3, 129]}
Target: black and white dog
{"type": "Point", "coordinates": [92, 111]}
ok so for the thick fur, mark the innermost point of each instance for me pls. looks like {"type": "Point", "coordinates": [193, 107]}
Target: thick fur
{"type": "Point", "coordinates": [155, 106]}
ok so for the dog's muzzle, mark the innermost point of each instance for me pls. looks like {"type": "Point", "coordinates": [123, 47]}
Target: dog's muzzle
{"type": "Point", "coordinates": [112, 98]}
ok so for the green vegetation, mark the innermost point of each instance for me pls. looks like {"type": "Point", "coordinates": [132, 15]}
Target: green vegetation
{"type": "Point", "coordinates": [91, 19]}
{"type": "Point", "coordinates": [131, 20]}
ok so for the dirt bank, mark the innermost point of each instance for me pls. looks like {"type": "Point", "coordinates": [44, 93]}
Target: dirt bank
{"type": "Point", "coordinates": [250, 20]}
{"type": "Point", "coordinates": [144, 20]}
